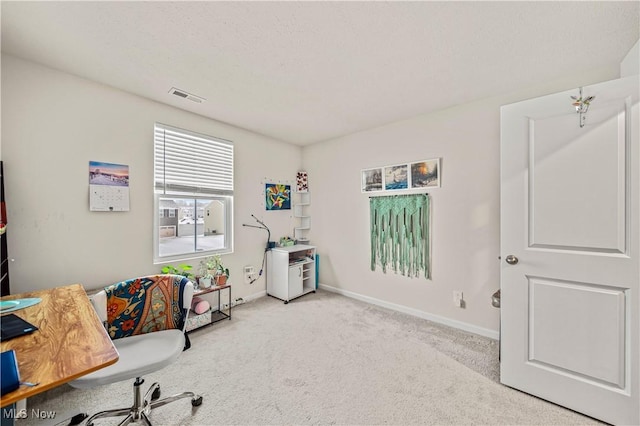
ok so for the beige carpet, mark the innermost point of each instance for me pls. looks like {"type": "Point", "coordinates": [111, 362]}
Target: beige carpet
{"type": "Point", "coordinates": [327, 359]}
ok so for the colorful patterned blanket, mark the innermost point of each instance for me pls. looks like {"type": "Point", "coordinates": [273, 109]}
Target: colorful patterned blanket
{"type": "Point", "coordinates": [144, 305]}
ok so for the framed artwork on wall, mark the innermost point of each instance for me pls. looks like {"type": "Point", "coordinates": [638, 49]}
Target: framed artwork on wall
{"type": "Point", "coordinates": [371, 180]}
{"type": "Point", "coordinates": [277, 196]}
{"type": "Point", "coordinates": [396, 177]}
{"type": "Point", "coordinates": [302, 182]}
{"type": "Point", "coordinates": [416, 175]}
{"type": "Point", "coordinates": [425, 174]}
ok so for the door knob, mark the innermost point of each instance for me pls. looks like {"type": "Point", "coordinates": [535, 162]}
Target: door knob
{"type": "Point", "coordinates": [511, 259]}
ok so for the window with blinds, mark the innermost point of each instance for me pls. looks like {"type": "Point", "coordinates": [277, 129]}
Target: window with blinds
{"type": "Point", "coordinates": [187, 162]}
{"type": "Point", "coordinates": [193, 185]}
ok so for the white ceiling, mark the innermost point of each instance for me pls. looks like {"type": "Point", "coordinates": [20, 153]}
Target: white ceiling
{"type": "Point", "coordinates": [304, 72]}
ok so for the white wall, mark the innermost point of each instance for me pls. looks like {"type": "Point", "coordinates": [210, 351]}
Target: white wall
{"type": "Point", "coordinates": [465, 210]}
{"type": "Point", "coordinates": [630, 65]}
{"type": "Point", "coordinates": [53, 124]}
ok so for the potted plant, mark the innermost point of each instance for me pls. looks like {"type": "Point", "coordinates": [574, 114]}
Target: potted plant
{"type": "Point", "coordinates": [216, 268]}
{"type": "Point", "coordinates": [222, 275]}
{"type": "Point", "coordinates": [205, 280]}
{"type": "Point", "coordinates": [206, 277]}
{"type": "Point", "coordinates": [210, 264]}
{"type": "Point", "coordinates": [184, 270]}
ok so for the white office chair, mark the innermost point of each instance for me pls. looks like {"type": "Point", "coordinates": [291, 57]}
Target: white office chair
{"type": "Point", "coordinates": [146, 318]}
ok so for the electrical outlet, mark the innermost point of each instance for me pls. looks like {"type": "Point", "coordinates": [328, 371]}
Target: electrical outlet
{"type": "Point", "coordinates": [249, 274]}
{"type": "Point", "coordinates": [457, 299]}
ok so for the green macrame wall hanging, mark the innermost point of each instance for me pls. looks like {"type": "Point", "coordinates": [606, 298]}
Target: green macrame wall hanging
{"type": "Point", "coordinates": [400, 234]}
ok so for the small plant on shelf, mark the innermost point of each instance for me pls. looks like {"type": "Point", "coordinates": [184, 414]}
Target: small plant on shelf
{"type": "Point", "coordinates": [214, 267]}
{"type": "Point", "coordinates": [184, 270]}
{"type": "Point", "coordinates": [206, 277]}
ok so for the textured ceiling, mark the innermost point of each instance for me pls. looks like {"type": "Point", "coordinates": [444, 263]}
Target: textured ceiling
{"type": "Point", "coordinates": [305, 72]}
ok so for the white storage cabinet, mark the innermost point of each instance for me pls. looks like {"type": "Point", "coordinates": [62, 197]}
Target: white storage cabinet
{"type": "Point", "coordinates": [291, 271]}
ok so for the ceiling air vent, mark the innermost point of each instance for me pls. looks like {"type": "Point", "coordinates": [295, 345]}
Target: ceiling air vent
{"type": "Point", "coordinates": [185, 95]}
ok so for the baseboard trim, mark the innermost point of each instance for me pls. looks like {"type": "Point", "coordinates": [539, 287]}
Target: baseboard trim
{"type": "Point", "coordinates": [492, 334]}
{"type": "Point", "coordinates": [255, 296]}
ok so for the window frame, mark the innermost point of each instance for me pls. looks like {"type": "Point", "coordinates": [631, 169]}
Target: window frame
{"type": "Point", "coordinates": [225, 196]}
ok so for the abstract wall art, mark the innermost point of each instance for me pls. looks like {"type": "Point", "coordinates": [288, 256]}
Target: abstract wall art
{"type": "Point", "coordinates": [277, 196]}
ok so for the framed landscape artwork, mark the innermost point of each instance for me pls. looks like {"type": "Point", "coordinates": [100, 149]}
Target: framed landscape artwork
{"type": "Point", "coordinates": [416, 175]}
{"type": "Point", "coordinates": [425, 174]}
{"type": "Point", "coordinates": [396, 177]}
{"type": "Point", "coordinates": [371, 180]}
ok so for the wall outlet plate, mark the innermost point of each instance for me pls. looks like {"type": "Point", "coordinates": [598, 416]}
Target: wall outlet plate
{"type": "Point", "coordinates": [249, 274]}
{"type": "Point", "coordinates": [457, 298]}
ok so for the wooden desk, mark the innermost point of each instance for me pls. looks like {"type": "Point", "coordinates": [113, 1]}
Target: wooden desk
{"type": "Point", "coordinates": [71, 341]}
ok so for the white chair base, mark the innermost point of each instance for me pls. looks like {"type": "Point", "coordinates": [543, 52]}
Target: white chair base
{"type": "Point", "coordinates": [142, 407]}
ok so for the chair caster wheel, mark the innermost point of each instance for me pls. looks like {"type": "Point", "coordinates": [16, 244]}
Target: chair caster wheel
{"type": "Point", "coordinates": [196, 402]}
{"type": "Point", "coordinates": [77, 419]}
{"type": "Point", "coordinates": [156, 394]}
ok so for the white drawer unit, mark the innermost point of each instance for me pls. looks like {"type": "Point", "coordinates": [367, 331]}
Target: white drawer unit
{"type": "Point", "coordinates": [291, 271]}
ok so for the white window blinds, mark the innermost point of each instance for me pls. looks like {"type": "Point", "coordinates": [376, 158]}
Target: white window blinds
{"type": "Point", "coordinates": [191, 163]}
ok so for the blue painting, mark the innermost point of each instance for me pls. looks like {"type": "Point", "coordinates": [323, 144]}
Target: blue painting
{"type": "Point", "coordinates": [277, 196]}
{"type": "Point", "coordinates": [395, 177]}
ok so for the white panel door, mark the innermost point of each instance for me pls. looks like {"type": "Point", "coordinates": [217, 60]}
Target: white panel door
{"type": "Point", "coordinates": [570, 271]}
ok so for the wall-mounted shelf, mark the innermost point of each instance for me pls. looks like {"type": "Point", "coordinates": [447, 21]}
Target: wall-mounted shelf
{"type": "Point", "coordinates": [301, 205]}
